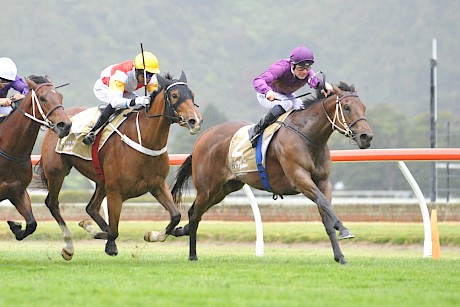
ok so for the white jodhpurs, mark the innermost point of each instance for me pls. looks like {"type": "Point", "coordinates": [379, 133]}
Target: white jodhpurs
{"type": "Point", "coordinates": [288, 102]}
{"type": "Point", "coordinates": [102, 92]}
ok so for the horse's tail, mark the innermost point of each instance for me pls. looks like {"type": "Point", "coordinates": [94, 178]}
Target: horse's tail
{"type": "Point", "coordinates": [41, 173]}
{"type": "Point", "coordinates": [182, 180]}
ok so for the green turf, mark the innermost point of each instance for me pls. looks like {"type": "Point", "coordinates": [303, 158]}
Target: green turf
{"type": "Point", "coordinates": [228, 273]}
{"type": "Point", "coordinates": [33, 274]}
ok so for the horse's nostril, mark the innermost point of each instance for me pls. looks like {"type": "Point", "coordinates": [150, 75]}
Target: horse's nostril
{"type": "Point", "coordinates": [192, 122]}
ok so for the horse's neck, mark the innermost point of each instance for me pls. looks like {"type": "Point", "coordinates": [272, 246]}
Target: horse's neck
{"type": "Point", "coordinates": [313, 122]}
{"type": "Point", "coordinates": [155, 131]}
{"type": "Point", "coordinates": [18, 134]}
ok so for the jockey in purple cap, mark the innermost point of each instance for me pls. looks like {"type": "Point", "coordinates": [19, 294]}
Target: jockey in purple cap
{"type": "Point", "coordinates": [280, 82]}
{"type": "Point", "coordinates": [9, 79]}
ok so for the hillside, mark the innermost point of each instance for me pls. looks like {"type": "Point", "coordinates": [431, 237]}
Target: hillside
{"type": "Point", "coordinates": [383, 47]}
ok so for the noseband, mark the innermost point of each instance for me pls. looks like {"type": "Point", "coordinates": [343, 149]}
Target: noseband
{"type": "Point", "coordinates": [339, 117]}
{"type": "Point", "coordinates": [170, 108]}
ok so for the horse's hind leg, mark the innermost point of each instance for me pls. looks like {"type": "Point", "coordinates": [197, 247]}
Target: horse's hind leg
{"type": "Point", "coordinates": [23, 205]}
{"type": "Point", "coordinates": [163, 195]}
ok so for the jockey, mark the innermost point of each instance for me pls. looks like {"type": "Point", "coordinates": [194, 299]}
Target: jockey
{"type": "Point", "coordinates": [9, 79]}
{"type": "Point", "coordinates": [276, 86]}
{"type": "Point", "coordinates": [117, 84]}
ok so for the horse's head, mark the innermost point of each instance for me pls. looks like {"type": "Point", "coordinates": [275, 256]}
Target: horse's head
{"type": "Point", "coordinates": [349, 115]}
{"type": "Point", "coordinates": [45, 106]}
{"type": "Point", "coordinates": [179, 102]}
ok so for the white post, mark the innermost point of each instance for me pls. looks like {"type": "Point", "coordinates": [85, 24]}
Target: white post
{"type": "Point", "coordinates": [257, 220]}
{"type": "Point", "coordinates": [427, 246]}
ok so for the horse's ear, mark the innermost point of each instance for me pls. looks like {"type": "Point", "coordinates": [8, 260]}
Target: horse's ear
{"type": "Point", "coordinates": [31, 84]}
{"type": "Point", "coordinates": [183, 78]}
{"type": "Point", "coordinates": [163, 82]}
{"type": "Point", "coordinates": [48, 78]}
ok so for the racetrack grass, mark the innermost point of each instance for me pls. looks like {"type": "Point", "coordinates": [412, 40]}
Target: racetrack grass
{"type": "Point", "coordinates": [275, 232]}
{"type": "Point", "coordinates": [228, 273]}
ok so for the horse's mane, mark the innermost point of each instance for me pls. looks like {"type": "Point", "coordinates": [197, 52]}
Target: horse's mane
{"type": "Point", "coordinates": [38, 79]}
{"type": "Point", "coordinates": [346, 87]}
{"type": "Point", "coordinates": [168, 76]}
{"type": "Point", "coordinates": [319, 97]}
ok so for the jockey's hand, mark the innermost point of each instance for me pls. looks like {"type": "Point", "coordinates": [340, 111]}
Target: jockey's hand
{"type": "Point", "coordinates": [140, 101]}
{"type": "Point", "coordinates": [327, 89]}
{"type": "Point", "coordinates": [5, 102]}
{"type": "Point", "coordinates": [18, 96]}
{"type": "Point", "coordinates": [270, 95]}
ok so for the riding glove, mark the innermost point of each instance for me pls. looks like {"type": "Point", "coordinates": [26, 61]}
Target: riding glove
{"type": "Point", "coordinates": [140, 101]}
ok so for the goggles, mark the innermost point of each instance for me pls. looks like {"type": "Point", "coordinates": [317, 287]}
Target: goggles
{"type": "Point", "coordinates": [148, 75]}
{"type": "Point", "coordinates": [4, 81]}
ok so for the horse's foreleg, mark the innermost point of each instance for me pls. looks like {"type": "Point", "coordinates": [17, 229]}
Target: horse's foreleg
{"type": "Point", "coordinates": [184, 231]}
{"type": "Point", "coordinates": [52, 203]}
{"type": "Point", "coordinates": [114, 203]}
{"type": "Point", "coordinates": [23, 205]}
{"type": "Point", "coordinates": [330, 230]}
{"type": "Point", "coordinates": [163, 195]}
{"type": "Point", "coordinates": [93, 209]}
{"type": "Point", "coordinates": [329, 218]}
{"type": "Point", "coordinates": [326, 188]}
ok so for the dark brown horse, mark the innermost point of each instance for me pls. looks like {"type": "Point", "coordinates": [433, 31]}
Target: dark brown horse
{"type": "Point", "coordinates": [128, 172]}
{"type": "Point", "coordinates": [42, 106]}
{"type": "Point", "coordinates": [297, 161]}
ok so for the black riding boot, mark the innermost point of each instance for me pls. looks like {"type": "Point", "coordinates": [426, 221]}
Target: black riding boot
{"type": "Point", "coordinates": [89, 138]}
{"type": "Point", "coordinates": [265, 121]}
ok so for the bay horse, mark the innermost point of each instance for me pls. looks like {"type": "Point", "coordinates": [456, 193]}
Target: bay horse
{"type": "Point", "coordinates": [42, 106]}
{"type": "Point", "coordinates": [297, 161]}
{"type": "Point", "coordinates": [128, 172]}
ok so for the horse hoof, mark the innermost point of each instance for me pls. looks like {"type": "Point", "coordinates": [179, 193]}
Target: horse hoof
{"type": "Point", "coordinates": [341, 261]}
{"type": "Point", "coordinates": [151, 236]}
{"type": "Point", "coordinates": [346, 234]}
{"type": "Point", "coordinates": [66, 255]}
{"type": "Point", "coordinates": [111, 248]}
{"type": "Point", "coordinates": [193, 258]}
{"type": "Point", "coordinates": [14, 226]}
{"type": "Point", "coordinates": [154, 236]}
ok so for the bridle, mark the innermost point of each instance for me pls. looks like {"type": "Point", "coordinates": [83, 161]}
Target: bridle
{"type": "Point", "coordinates": [36, 102]}
{"type": "Point", "coordinates": [170, 108]}
{"type": "Point", "coordinates": [339, 117]}
{"type": "Point", "coordinates": [45, 122]}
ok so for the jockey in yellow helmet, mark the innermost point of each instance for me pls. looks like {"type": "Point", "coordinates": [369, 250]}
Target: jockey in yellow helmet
{"type": "Point", "coordinates": [117, 85]}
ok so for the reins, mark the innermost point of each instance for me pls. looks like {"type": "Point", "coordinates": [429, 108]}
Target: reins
{"type": "Point", "coordinates": [172, 119]}
{"type": "Point", "coordinates": [339, 117]}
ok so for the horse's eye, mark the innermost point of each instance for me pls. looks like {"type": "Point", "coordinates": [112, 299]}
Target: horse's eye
{"type": "Point", "coordinates": [42, 99]}
{"type": "Point", "coordinates": [347, 108]}
{"type": "Point", "coordinates": [174, 95]}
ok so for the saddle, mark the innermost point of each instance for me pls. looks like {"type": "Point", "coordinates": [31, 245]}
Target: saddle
{"type": "Point", "coordinates": [81, 125]}
{"type": "Point", "coordinates": [241, 156]}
